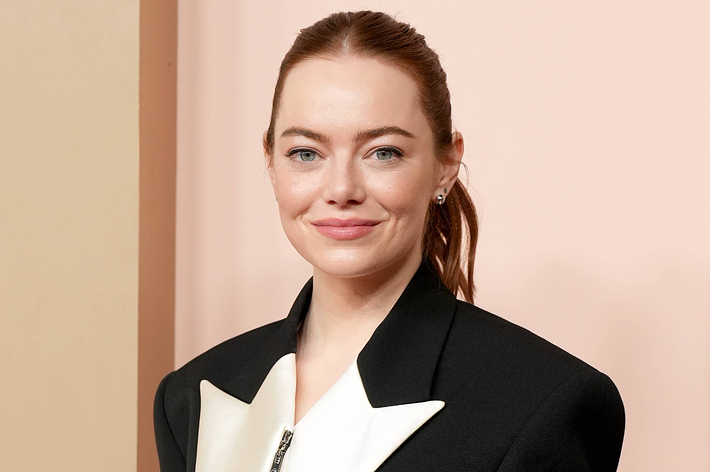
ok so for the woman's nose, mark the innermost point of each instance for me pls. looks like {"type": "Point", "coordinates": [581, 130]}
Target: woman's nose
{"type": "Point", "coordinates": [342, 182]}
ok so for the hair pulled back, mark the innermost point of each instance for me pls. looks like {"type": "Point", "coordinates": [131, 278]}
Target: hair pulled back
{"type": "Point", "coordinates": [451, 230]}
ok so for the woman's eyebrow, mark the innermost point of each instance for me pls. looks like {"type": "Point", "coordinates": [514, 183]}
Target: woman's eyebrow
{"type": "Point", "coordinates": [298, 131]}
{"type": "Point", "coordinates": [361, 135]}
{"type": "Point", "coordinates": [377, 132]}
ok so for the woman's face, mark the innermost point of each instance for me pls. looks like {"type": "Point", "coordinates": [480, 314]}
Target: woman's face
{"type": "Point", "coordinates": [353, 167]}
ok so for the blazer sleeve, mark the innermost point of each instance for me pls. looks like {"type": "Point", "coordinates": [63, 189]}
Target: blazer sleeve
{"type": "Point", "coordinates": [579, 427]}
{"type": "Point", "coordinates": [170, 455]}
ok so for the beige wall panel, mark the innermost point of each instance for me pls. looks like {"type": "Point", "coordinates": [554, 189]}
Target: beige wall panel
{"type": "Point", "coordinates": [69, 234]}
{"type": "Point", "coordinates": [585, 126]}
{"type": "Point", "coordinates": [156, 297]}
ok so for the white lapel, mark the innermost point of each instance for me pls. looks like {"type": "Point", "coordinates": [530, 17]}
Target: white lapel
{"type": "Point", "coordinates": [236, 436]}
{"type": "Point", "coordinates": [342, 431]}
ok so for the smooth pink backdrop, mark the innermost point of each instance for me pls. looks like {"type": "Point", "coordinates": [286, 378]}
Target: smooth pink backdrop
{"type": "Point", "coordinates": [586, 130]}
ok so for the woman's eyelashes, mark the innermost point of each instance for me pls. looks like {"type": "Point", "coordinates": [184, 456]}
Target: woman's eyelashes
{"type": "Point", "coordinates": [383, 154]}
{"type": "Point", "coordinates": [306, 155]}
{"type": "Point", "coordinates": [387, 154]}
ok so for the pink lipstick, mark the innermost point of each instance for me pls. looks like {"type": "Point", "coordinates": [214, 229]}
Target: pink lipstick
{"type": "Point", "coordinates": [343, 229]}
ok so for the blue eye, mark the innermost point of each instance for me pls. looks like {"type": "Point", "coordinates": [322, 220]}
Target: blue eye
{"type": "Point", "coordinates": [384, 154]}
{"type": "Point", "coordinates": [306, 155]}
{"type": "Point", "coordinates": [387, 154]}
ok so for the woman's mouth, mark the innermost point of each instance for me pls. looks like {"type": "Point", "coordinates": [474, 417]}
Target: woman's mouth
{"type": "Point", "coordinates": [343, 229]}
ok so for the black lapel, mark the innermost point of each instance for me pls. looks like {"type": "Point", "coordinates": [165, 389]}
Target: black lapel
{"type": "Point", "coordinates": [397, 364]}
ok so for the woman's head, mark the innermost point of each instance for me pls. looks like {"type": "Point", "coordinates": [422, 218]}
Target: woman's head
{"type": "Point", "coordinates": [361, 128]}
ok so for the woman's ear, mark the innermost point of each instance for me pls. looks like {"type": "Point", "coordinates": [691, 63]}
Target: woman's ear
{"type": "Point", "coordinates": [450, 165]}
{"type": "Point", "coordinates": [269, 162]}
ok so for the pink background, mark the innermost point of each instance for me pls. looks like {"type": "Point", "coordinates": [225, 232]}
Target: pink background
{"type": "Point", "coordinates": [586, 131]}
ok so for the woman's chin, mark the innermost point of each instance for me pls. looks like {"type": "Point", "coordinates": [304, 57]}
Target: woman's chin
{"type": "Point", "coordinates": [348, 264]}
{"type": "Point", "coordinates": [350, 269]}
{"type": "Point", "coordinates": [352, 263]}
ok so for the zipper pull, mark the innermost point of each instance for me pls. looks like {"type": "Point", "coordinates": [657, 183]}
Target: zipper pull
{"type": "Point", "coordinates": [281, 451]}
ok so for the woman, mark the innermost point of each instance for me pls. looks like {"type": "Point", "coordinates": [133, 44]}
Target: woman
{"type": "Point", "coordinates": [378, 366]}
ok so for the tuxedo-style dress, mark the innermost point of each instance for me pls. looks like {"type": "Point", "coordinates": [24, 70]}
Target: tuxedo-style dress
{"type": "Point", "coordinates": [442, 385]}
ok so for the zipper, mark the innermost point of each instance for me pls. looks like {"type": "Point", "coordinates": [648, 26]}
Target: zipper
{"type": "Point", "coordinates": [281, 451]}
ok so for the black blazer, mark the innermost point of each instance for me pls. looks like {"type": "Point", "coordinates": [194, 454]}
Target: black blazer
{"type": "Point", "coordinates": [511, 400]}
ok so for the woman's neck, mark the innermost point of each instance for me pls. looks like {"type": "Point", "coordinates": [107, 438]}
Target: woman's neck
{"type": "Point", "coordinates": [348, 310]}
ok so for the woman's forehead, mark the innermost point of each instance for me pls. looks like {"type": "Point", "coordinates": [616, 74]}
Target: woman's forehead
{"type": "Point", "coordinates": [346, 92]}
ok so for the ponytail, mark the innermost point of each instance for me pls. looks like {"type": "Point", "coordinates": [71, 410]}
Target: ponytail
{"type": "Point", "coordinates": [450, 237]}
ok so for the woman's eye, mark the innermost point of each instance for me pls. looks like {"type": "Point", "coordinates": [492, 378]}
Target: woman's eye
{"type": "Point", "coordinates": [384, 154]}
{"type": "Point", "coordinates": [387, 154]}
{"type": "Point", "coordinates": [305, 155]}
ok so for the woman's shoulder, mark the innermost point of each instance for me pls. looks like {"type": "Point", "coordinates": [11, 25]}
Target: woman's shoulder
{"type": "Point", "coordinates": [479, 337]}
{"type": "Point", "coordinates": [535, 395]}
{"type": "Point", "coordinates": [515, 364]}
{"type": "Point", "coordinates": [474, 322]}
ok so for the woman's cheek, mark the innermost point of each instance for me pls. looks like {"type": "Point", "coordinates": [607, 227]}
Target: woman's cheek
{"type": "Point", "coordinates": [297, 195]}
{"type": "Point", "coordinates": [403, 196]}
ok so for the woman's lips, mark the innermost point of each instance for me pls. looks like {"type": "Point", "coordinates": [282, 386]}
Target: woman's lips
{"type": "Point", "coordinates": [345, 229]}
